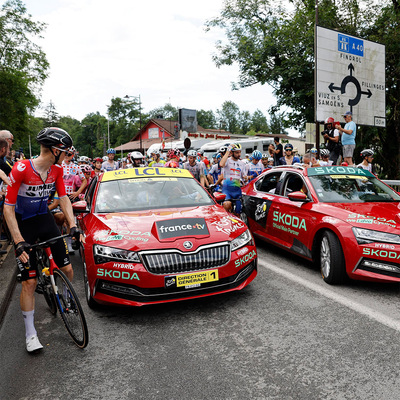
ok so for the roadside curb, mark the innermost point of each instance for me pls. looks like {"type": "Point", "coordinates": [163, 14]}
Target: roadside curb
{"type": "Point", "coordinates": [8, 273]}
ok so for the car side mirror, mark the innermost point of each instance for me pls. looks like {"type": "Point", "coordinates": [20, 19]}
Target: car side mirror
{"type": "Point", "coordinates": [80, 207]}
{"type": "Point", "coordinates": [298, 196]}
{"type": "Point", "coordinates": [219, 197]}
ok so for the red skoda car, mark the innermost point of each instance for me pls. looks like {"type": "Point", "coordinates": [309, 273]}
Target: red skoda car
{"type": "Point", "coordinates": [345, 219]}
{"type": "Point", "coordinates": [154, 235]}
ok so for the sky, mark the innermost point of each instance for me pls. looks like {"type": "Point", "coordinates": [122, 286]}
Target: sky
{"type": "Point", "coordinates": [157, 49]}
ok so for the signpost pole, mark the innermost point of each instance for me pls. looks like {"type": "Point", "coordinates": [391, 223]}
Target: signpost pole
{"type": "Point", "coordinates": [317, 144]}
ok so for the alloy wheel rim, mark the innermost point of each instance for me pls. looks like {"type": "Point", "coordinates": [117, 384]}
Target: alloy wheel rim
{"type": "Point", "coordinates": [325, 257]}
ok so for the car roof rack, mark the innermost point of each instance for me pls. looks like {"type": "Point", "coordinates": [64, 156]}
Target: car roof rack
{"type": "Point", "coordinates": [295, 166]}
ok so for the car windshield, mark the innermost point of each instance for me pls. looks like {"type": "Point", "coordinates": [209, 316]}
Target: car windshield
{"type": "Point", "coordinates": [352, 189]}
{"type": "Point", "coordinates": [150, 193]}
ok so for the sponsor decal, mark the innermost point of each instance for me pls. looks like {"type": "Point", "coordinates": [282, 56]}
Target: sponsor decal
{"type": "Point", "coordinates": [147, 172]}
{"type": "Point", "coordinates": [286, 222]}
{"type": "Point", "coordinates": [21, 166]}
{"type": "Point", "coordinates": [338, 170]}
{"type": "Point", "coordinates": [385, 246]}
{"type": "Point", "coordinates": [369, 219]}
{"type": "Point", "coordinates": [227, 225]}
{"type": "Point", "coordinates": [108, 236]}
{"type": "Point", "coordinates": [182, 227]}
{"type": "Point", "coordinates": [110, 273]}
{"type": "Point", "coordinates": [194, 279]}
{"type": "Point", "coordinates": [393, 255]}
{"type": "Point", "coordinates": [123, 266]}
{"type": "Point", "coordinates": [242, 251]}
{"type": "Point", "coordinates": [245, 259]}
{"type": "Point", "coordinates": [261, 211]}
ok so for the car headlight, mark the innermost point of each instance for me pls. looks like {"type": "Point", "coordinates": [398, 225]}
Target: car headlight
{"type": "Point", "coordinates": [365, 236]}
{"type": "Point", "coordinates": [104, 254]}
{"type": "Point", "coordinates": [241, 240]}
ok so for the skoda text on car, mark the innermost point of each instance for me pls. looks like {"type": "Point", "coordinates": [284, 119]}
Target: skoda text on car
{"type": "Point", "coordinates": [343, 218]}
{"type": "Point", "coordinates": [154, 235]}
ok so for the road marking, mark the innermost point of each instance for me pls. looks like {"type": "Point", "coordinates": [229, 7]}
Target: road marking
{"type": "Point", "coordinates": [329, 293]}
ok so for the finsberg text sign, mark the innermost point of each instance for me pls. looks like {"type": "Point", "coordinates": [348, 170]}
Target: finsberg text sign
{"type": "Point", "coordinates": [350, 77]}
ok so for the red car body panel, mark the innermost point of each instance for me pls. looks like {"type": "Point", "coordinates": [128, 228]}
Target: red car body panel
{"type": "Point", "coordinates": [134, 283]}
{"type": "Point", "coordinates": [297, 226]}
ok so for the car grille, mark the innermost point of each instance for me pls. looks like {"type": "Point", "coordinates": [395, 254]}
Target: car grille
{"type": "Point", "coordinates": [175, 261]}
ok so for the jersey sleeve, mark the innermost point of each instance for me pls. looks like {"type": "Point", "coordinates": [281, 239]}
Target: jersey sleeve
{"type": "Point", "coordinates": [60, 186]}
{"type": "Point", "coordinates": [16, 177]}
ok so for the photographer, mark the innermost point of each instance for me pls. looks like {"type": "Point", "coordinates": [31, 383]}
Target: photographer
{"type": "Point", "coordinates": [332, 140]}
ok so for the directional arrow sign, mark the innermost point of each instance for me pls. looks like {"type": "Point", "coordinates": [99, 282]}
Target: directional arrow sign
{"type": "Point", "coordinates": [350, 76]}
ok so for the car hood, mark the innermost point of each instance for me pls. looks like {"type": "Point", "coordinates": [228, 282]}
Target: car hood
{"type": "Point", "coordinates": [165, 228]}
{"type": "Point", "coordinates": [377, 216]}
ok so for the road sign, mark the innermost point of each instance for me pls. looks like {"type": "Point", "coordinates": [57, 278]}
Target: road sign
{"type": "Point", "coordinates": [350, 77]}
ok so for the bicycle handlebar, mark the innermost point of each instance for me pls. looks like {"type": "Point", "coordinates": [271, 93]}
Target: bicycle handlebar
{"type": "Point", "coordinates": [48, 242]}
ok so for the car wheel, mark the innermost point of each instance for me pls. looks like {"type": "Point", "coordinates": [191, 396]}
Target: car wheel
{"type": "Point", "coordinates": [91, 302]}
{"type": "Point", "coordinates": [332, 263]}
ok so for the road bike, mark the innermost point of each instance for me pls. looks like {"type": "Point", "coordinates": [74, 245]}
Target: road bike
{"type": "Point", "coordinates": [59, 293]}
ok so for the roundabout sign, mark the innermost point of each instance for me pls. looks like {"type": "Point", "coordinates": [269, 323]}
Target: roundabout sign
{"type": "Point", "coordinates": [350, 76]}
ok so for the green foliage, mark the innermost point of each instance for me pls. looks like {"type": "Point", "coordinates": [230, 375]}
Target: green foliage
{"type": "Point", "coordinates": [206, 119]}
{"type": "Point", "coordinates": [23, 68]}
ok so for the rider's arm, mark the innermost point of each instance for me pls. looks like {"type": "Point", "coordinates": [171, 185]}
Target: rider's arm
{"type": "Point", "coordinates": [66, 207]}
{"type": "Point", "coordinates": [224, 159]}
{"type": "Point", "coordinates": [84, 184]}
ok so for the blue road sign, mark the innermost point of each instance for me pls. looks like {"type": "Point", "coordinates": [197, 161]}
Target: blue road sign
{"type": "Point", "coordinates": [351, 45]}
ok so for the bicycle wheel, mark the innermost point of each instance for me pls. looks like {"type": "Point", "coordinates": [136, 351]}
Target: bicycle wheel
{"type": "Point", "coordinates": [44, 282]}
{"type": "Point", "coordinates": [70, 310]}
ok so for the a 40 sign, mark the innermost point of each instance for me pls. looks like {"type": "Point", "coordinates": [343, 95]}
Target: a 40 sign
{"type": "Point", "coordinates": [350, 76]}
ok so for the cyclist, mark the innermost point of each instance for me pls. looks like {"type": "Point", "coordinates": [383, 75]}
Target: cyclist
{"type": "Point", "coordinates": [368, 156]}
{"type": "Point", "coordinates": [233, 171]}
{"type": "Point", "coordinates": [254, 167]}
{"type": "Point", "coordinates": [110, 164]}
{"type": "Point", "coordinates": [157, 160]}
{"type": "Point", "coordinates": [29, 219]}
{"type": "Point", "coordinates": [137, 159]}
{"type": "Point", "coordinates": [288, 158]}
{"type": "Point", "coordinates": [98, 165]}
{"type": "Point", "coordinates": [173, 157]}
{"type": "Point", "coordinates": [325, 161]}
{"type": "Point", "coordinates": [196, 168]}
{"type": "Point", "coordinates": [70, 170]}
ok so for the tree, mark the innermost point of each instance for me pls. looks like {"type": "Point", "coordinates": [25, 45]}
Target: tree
{"type": "Point", "coordinates": [229, 116]}
{"type": "Point", "coordinates": [23, 67]}
{"type": "Point", "coordinates": [168, 112]}
{"type": "Point", "coordinates": [206, 119]}
{"type": "Point", "coordinates": [276, 125]}
{"type": "Point", "coordinates": [244, 122]}
{"type": "Point", "coordinates": [273, 45]}
{"type": "Point", "coordinates": [51, 115]}
{"type": "Point", "coordinates": [259, 122]}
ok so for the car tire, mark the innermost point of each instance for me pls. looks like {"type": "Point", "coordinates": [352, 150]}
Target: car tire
{"type": "Point", "coordinates": [331, 258]}
{"type": "Point", "coordinates": [89, 299]}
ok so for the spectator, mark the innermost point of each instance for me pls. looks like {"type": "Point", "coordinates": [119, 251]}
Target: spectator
{"type": "Point", "coordinates": [288, 158]}
{"type": "Point", "coordinates": [276, 150]}
{"type": "Point", "coordinates": [368, 156]}
{"type": "Point", "coordinates": [332, 140]}
{"type": "Point", "coordinates": [348, 137]}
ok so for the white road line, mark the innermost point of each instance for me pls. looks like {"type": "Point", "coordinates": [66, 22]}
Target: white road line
{"type": "Point", "coordinates": [329, 293]}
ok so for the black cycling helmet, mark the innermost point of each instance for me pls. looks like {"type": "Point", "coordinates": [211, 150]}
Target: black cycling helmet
{"type": "Point", "coordinates": [54, 137]}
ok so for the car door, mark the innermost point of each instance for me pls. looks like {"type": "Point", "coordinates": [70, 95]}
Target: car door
{"type": "Point", "coordinates": [258, 199]}
{"type": "Point", "coordinates": [291, 221]}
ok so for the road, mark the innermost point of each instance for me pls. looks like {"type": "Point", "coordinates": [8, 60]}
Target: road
{"type": "Point", "coordinates": [288, 335]}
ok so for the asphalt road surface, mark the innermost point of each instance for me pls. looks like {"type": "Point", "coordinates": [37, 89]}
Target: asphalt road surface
{"type": "Point", "coordinates": [288, 335]}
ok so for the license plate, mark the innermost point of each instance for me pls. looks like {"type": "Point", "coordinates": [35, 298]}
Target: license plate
{"type": "Point", "coordinates": [194, 279]}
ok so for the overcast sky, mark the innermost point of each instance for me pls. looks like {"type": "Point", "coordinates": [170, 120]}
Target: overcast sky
{"type": "Point", "coordinates": [157, 49]}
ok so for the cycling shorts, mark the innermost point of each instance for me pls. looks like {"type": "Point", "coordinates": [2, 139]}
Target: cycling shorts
{"type": "Point", "coordinates": [233, 192]}
{"type": "Point", "coordinates": [41, 227]}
